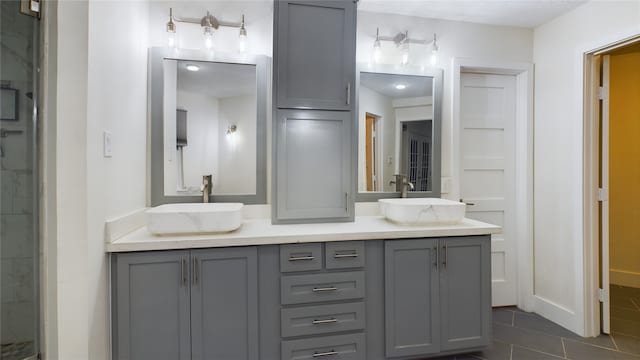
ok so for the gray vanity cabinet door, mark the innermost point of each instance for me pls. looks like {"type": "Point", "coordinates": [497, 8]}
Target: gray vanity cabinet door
{"type": "Point", "coordinates": [313, 165]}
{"type": "Point", "coordinates": [465, 286]}
{"type": "Point", "coordinates": [151, 310]}
{"type": "Point", "coordinates": [315, 50]}
{"type": "Point", "coordinates": [412, 306]}
{"type": "Point", "coordinates": [224, 304]}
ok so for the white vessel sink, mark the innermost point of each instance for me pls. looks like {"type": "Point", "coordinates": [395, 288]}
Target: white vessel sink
{"type": "Point", "coordinates": [194, 218]}
{"type": "Point", "coordinates": [422, 211]}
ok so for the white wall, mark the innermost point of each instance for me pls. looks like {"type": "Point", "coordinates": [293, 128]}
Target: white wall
{"type": "Point", "coordinates": [455, 39]}
{"type": "Point", "coordinates": [379, 105]}
{"type": "Point", "coordinates": [559, 245]}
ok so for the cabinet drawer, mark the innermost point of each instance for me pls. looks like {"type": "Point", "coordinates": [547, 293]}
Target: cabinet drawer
{"type": "Point", "coordinates": [300, 289]}
{"type": "Point", "coordinates": [322, 319]}
{"type": "Point", "coordinates": [342, 347]}
{"type": "Point", "coordinates": [300, 257]}
{"type": "Point", "coordinates": [347, 254]}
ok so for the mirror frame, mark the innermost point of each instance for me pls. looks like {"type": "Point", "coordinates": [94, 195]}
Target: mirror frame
{"type": "Point", "coordinates": [437, 75]}
{"type": "Point", "coordinates": [156, 123]}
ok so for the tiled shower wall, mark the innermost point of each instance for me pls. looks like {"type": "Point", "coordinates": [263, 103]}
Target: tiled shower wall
{"type": "Point", "coordinates": [17, 230]}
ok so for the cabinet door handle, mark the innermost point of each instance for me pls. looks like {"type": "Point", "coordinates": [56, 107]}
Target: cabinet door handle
{"type": "Point", "coordinates": [435, 249]}
{"type": "Point", "coordinates": [328, 353]}
{"type": "Point", "coordinates": [301, 258]}
{"type": "Point", "coordinates": [326, 321]}
{"type": "Point", "coordinates": [194, 268]}
{"type": "Point", "coordinates": [346, 202]}
{"type": "Point", "coordinates": [323, 289]}
{"type": "Point", "coordinates": [349, 93]}
{"type": "Point", "coordinates": [446, 256]}
{"type": "Point", "coordinates": [183, 272]}
{"type": "Point", "coordinates": [341, 256]}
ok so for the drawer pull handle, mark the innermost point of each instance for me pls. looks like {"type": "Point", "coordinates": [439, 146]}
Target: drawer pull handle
{"type": "Point", "coordinates": [331, 288]}
{"type": "Point", "coordinates": [301, 258]}
{"type": "Point", "coordinates": [328, 353]}
{"type": "Point", "coordinates": [325, 321]}
{"type": "Point", "coordinates": [341, 256]}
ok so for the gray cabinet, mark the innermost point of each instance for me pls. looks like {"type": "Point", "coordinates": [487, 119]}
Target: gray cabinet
{"type": "Point", "coordinates": [437, 295]}
{"type": "Point", "coordinates": [412, 311]}
{"type": "Point", "coordinates": [313, 166]}
{"type": "Point", "coordinates": [151, 306]}
{"type": "Point", "coordinates": [315, 44]}
{"type": "Point", "coordinates": [199, 304]}
{"type": "Point", "coordinates": [224, 304]}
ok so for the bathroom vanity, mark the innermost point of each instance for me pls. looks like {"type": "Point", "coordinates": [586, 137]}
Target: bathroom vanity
{"type": "Point", "coordinates": [369, 289]}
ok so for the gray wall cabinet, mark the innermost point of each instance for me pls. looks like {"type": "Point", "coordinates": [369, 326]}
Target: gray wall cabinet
{"type": "Point", "coordinates": [393, 299]}
{"type": "Point", "coordinates": [437, 295]}
{"type": "Point", "coordinates": [313, 165]}
{"type": "Point", "coordinates": [314, 112]}
{"type": "Point", "coordinates": [199, 304]}
{"type": "Point", "coordinates": [315, 50]}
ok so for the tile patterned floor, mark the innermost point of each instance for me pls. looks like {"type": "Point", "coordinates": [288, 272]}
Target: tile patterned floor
{"type": "Point", "coordinates": [525, 336]}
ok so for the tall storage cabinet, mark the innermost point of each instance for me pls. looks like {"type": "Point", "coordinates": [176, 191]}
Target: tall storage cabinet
{"type": "Point", "coordinates": [314, 49]}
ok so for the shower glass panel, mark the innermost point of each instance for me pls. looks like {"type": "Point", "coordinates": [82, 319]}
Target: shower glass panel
{"type": "Point", "coordinates": [19, 250]}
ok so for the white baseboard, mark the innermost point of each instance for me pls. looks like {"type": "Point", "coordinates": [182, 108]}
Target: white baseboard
{"type": "Point", "coordinates": [624, 278]}
{"type": "Point", "coordinates": [558, 314]}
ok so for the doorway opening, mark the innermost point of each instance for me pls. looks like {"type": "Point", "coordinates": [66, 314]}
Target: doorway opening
{"type": "Point", "coordinates": [372, 153]}
{"type": "Point", "coordinates": [612, 173]}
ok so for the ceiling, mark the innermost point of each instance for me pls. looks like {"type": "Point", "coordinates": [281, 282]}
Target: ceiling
{"type": "Point", "coordinates": [519, 13]}
{"type": "Point", "coordinates": [385, 84]}
{"type": "Point", "coordinates": [218, 80]}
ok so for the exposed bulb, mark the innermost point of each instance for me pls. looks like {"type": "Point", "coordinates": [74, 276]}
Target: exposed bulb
{"type": "Point", "coordinates": [377, 48]}
{"type": "Point", "coordinates": [171, 39]}
{"type": "Point", "coordinates": [405, 53]}
{"type": "Point", "coordinates": [208, 37]}
{"type": "Point", "coordinates": [171, 31]}
{"type": "Point", "coordinates": [434, 51]}
{"type": "Point", "coordinates": [242, 38]}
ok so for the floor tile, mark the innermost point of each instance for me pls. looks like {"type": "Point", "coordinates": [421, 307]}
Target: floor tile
{"type": "Point", "coordinates": [625, 326]}
{"type": "Point", "coordinates": [581, 351]}
{"type": "Point", "coordinates": [503, 316]}
{"type": "Point", "coordinates": [520, 353]}
{"type": "Point", "coordinates": [534, 340]}
{"type": "Point", "coordinates": [623, 302]}
{"type": "Point", "coordinates": [627, 314]}
{"type": "Point", "coordinates": [497, 351]}
{"type": "Point", "coordinates": [627, 343]}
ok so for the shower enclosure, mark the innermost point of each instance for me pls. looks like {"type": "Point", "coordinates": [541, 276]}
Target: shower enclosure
{"type": "Point", "coordinates": [19, 245]}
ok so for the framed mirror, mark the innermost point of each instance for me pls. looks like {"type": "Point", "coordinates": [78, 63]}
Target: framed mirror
{"type": "Point", "coordinates": [399, 130]}
{"type": "Point", "coordinates": [208, 118]}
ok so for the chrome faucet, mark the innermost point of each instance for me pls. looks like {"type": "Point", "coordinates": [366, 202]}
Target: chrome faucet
{"type": "Point", "coordinates": [207, 185]}
{"type": "Point", "coordinates": [402, 184]}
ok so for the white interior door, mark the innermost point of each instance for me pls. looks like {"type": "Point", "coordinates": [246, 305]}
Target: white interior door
{"type": "Point", "coordinates": [604, 200]}
{"type": "Point", "coordinates": [487, 183]}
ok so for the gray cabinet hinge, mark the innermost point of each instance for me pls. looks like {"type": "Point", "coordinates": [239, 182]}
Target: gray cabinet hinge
{"type": "Point", "coordinates": [601, 295]}
{"type": "Point", "coordinates": [603, 194]}
{"type": "Point", "coordinates": [603, 92]}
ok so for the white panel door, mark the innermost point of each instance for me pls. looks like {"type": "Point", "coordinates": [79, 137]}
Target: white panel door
{"type": "Point", "coordinates": [487, 125]}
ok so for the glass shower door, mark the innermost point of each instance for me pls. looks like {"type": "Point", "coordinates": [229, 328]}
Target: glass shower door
{"type": "Point", "coordinates": [19, 245]}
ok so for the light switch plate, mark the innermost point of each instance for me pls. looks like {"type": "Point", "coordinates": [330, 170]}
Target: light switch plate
{"type": "Point", "coordinates": [107, 150]}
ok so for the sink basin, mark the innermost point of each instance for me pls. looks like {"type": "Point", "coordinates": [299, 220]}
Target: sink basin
{"type": "Point", "coordinates": [194, 218]}
{"type": "Point", "coordinates": [422, 211]}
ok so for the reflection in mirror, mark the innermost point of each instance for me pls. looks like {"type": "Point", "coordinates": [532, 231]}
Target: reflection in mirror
{"type": "Point", "coordinates": [395, 131]}
{"type": "Point", "coordinates": [209, 127]}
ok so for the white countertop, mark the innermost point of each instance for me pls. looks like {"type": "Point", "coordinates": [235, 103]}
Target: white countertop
{"type": "Point", "coordinates": [261, 232]}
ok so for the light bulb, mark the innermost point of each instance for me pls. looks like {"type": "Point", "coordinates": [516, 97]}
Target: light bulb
{"type": "Point", "coordinates": [242, 38]}
{"type": "Point", "coordinates": [377, 51]}
{"type": "Point", "coordinates": [405, 53]}
{"type": "Point", "coordinates": [434, 51]}
{"type": "Point", "coordinates": [171, 39]}
{"type": "Point", "coordinates": [208, 37]}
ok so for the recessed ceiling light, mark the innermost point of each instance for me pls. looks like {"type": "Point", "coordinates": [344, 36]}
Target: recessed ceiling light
{"type": "Point", "coordinates": [192, 67]}
{"type": "Point", "coordinates": [401, 86]}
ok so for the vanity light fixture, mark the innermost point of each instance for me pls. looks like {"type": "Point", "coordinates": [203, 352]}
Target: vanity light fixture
{"type": "Point", "coordinates": [209, 24]}
{"type": "Point", "coordinates": [403, 41]}
{"type": "Point", "coordinates": [192, 67]}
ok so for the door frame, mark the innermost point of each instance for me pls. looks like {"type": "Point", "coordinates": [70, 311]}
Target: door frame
{"type": "Point", "coordinates": [523, 229]}
{"type": "Point", "coordinates": [591, 172]}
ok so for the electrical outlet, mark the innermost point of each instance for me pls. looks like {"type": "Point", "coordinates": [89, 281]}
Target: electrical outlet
{"type": "Point", "coordinates": [107, 144]}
